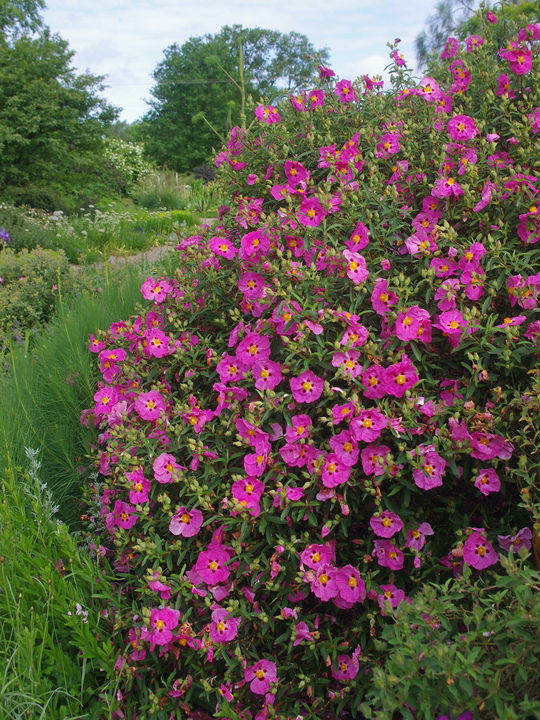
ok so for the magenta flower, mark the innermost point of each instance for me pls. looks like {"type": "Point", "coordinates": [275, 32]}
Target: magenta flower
{"type": "Point", "coordinates": [519, 58]}
{"type": "Point", "coordinates": [491, 17]}
{"type": "Point", "coordinates": [150, 405]}
{"type": "Point", "coordinates": [504, 86]}
{"type": "Point", "coordinates": [325, 72]}
{"type": "Point", "coordinates": [260, 675]}
{"type": "Point", "coordinates": [416, 539]}
{"type": "Point", "coordinates": [307, 387]}
{"type": "Point", "coordinates": [356, 267]}
{"type": "Point", "coordinates": [348, 362]}
{"type": "Point", "coordinates": [429, 89]}
{"type": "Point", "coordinates": [450, 49]}
{"type": "Point", "coordinates": [162, 622]}
{"type": "Point", "coordinates": [316, 99]}
{"type": "Point", "coordinates": [267, 114]}
{"type": "Point", "coordinates": [485, 197]}
{"type": "Point", "coordinates": [375, 459]}
{"type": "Point", "coordinates": [166, 468]}
{"type": "Point", "coordinates": [521, 539]}
{"type": "Point", "coordinates": [534, 119]}
{"type": "Point", "coordinates": [301, 425]}
{"type": "Point", "coordinates": [447, 187]}
{"type": "Point", "coordinates": [386, 524]}
{"type": "Point", "coordinates": [388, 555]}
{"type": "Point", "coordinates": [252, 348]}
{"type": "Point", "coordinates": [346, 669]}
{"type": "Point", "coordinates": [123, 515]}
{"type": "Point", "coordinates": [344, 446]}
{"type": "Point", "coordinates": [315, 556]}
{"type": "Point", "coordinates": [324, 584]}
{"type": "Point", "coordinates": [156, 290]}
{"type": "Point", "coordinates": [334, 472]}
{"type": "Point", "coordinates": [487, 481]}
{"type": "Point", "coordinates": [478, 552]}
{"type": "Point", "coordinates": [368, 425]}
{"type": "Point", "coordinates": [413, 324]}
{"type": "Point", "coordinates": [345, 91]}
{"type": "Point", "coordinates": [140, 487]}
{"type": "Point", "coordinates": [461, 128]}
{"type": "Point", "coordinates": [360, 236]}
{"type": "Point", "coordinates": [430, 474]}
{"type": "Point", "coordinates": [267, 374]}
{"type": "Point", "coordinates": [473, 42]}
{"type": "Point", "coordinates": [223, 627]}
{"type": "Point", "coordinates": [311, 213]}
{"type": "Point", "coordinates": [186, 523]}
{"type": "Point", "coordinates": [390, 598]}
{"type": "Point", "coordinates": [388, 145]}
{"type": "Point", "coordinates": [398, 58]}
{"type": "Point", "coordinates": [105, 399]}
{"type": "Point", "coordinates": [252, 285]}
{"type": "Point", "coordinates": [382, 299]}
{"type": "Point", "coordinates": [211, 565]}
{"type": "Point", "coordinates": [230, 369]}
{"type": "Point", "coordinates": [400, 377]}
{"type": "Point", "coordinates": [223, 247]}
{"type": "Point", "coordinates": [350, 585]}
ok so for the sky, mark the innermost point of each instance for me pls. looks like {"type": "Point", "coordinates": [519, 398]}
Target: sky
{"type": "Point", "coordinates": [125, 39]}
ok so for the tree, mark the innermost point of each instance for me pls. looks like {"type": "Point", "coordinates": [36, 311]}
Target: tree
{"type": "Point", "coordinates": [203, 76]}
{"type": "Point", "coordinates": [448, 15]}
{"type": "Point", "coordinates": [51, 120]}
{"type": "Point", "coordinates": [18, 16]}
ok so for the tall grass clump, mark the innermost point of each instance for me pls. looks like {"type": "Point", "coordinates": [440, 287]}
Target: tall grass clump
{"type": "Point", "coordinates": [45, 388]}
{"type": "Point", "coordinates": [54, 653]}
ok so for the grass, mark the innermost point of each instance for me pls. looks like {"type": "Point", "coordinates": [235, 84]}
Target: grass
{"type": "Point", "coordinates": [44, 389]}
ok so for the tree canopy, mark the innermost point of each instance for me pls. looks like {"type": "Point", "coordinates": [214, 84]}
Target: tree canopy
{"type": "Point", "coordinates": [18, 16]}
{"type": "Point", "coordinates": [203, 76]}
{"type": "Point", "coordinates": [51, 119]}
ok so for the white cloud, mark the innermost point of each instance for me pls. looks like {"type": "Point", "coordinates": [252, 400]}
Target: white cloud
{"type": "Point", "coordinates": [125, 40]}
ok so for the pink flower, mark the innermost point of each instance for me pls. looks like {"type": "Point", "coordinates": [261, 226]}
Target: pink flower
{"type": "Point", "coordinates": [491, 17]}
{"type": "Point", "coordinates": [186, 523]}
{"type": "Point", "coordinates": [260, 675]}
{"type": "Point", "coordinates": [416, 539]}
{"type": "Point", "coordinates": [345, 91]}
{"type": "Point", "coordinates": [150, 405]}
{"type": "Point", "coordinates": [105, 399]}
{"type": "Point", "coordinates": [487, 481]}
{"type": "Point", "coordinates": [324, 584]}
{"type": "Point", "coordinates": [223, 628]}
{"type": "Point", "coordinates": [344, 446]}
{"type": "Point", "coordinates": [267, 374]}
{"type": "Point", "coordinates": [478, 552]}
{"type": "Point", "coordinates": [450, 49]}
{"type": "Point", "coordinates": [347, 362]}
{"type": "Point", "coordinates": [373, 379]}
{"type": "Point", "coordinates": [307, 387]}
{"type": "Point", "coordinates": [430, 474]}
{"type": "Point", "coordinates": [398, 58]}
{"type": "Point", "coordinates": [230, 369]}
{"type": "Point", "coordinates": [388, 145]}
{"type": "Point", "coordinates": [325, 72]}
{"type": "Point", "coordinates": [485, 197]}
{"type": "Point", "coordinates": [350, 585]}
{"type": "Point", "coordinates": [534, 119]}
{"type": "Point", "coordinates": [252, 348]}
{"type": "Point", "coordinates": [211, 564]}
{"type": "Point", "coordinates": [413, 324]}
{"type": "Point", "coordinates": [166, 468]}
{"type": "Point", "coordinates": [388, 555]}
{"type": "Point", "coordinates": [390, 598]}
{"type": "Point", "coordinates": [400, 377]}
{"type": "Point", "coordinates": [382, 299]}
{"type": "Point", "coordinates": [311, 213]}
{"type": "Point", "coordinates": [473, 42]}
{"type": "Point", "coordinates": [356, 267]}
{"type": "Point", "coordinates": [334, 472]}
{"type": "Point", "coordinates": [223, 247]}
{"type": "Point", "coordinates": [301, 425]}
{"type": "Point", "coordinates": [447, 187]}
{"type": "Point", "coordinates": [155, 290]}
{"type": "Point", "coordinates": [368, 425]}
{"type": "Point", "coordinates": [359, 237]}
{"type": "Point", "coordinates": [346, 669]}
{"type": "Point", "coordinates": [375, 459]}
{"type": "Point", "coordinates": [267, 114]}
{"type": "Point", "coordinates": [140, 487]}
{"type": "Point", "coordinates": [519, 58]}
{"type": "Point", "coordinates": [252, 285]}
{"type": "Point", "coordinates": [386, 524]}
{"type": "Point", "coordinates": [315, 556]}
{"type": "Point", "coordinates": [516, 542]}
{"type": "Point", "coordinates": [123, 515]}
{"type": "Point", "coordinates": [429, 89]}
{"type": "Point", "coordinates": [162, 622]}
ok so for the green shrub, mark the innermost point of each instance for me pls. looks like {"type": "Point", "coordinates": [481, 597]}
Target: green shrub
{"type": "Point", "coordinates": [333, 401]}
{"type": "Point", "coordinates": [31, 282]}
{"type": "Point", "coordinates": [25, 230]}
{"type": "Point", "coordinates": [462, 645]}
{"type": "Point", "coordinates": [40, 198]}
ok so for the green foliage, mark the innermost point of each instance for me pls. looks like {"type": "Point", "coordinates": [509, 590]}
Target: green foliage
{"type": "Point", "coordinates": [40, 198]}
{"type": "Point", "coordinates": [31, 284]}
{"type": "Point", "coordinates": [44, 390]}
{"type": "Point", "coordinates": [449, 15]}
{"type": "Point", "coordinates": [203, 76]}
{"type": "Point", "coordinates": [465, 645]}
{"type": "Point", "coordinates": [51, 120]}
{"type": "Point", "coordinates": [54, 653]}
{"type": "Point", "coordinates": [126, 158]}
{"type": "Point", "coordinates": [18, 16]}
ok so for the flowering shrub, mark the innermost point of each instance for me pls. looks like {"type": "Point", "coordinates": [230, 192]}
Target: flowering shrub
{"type": "Point", "coordinates": [333, 400]}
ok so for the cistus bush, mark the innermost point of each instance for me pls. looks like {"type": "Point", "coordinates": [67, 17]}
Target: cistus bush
{"type": "Point", "coordinates": [333, 400]}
